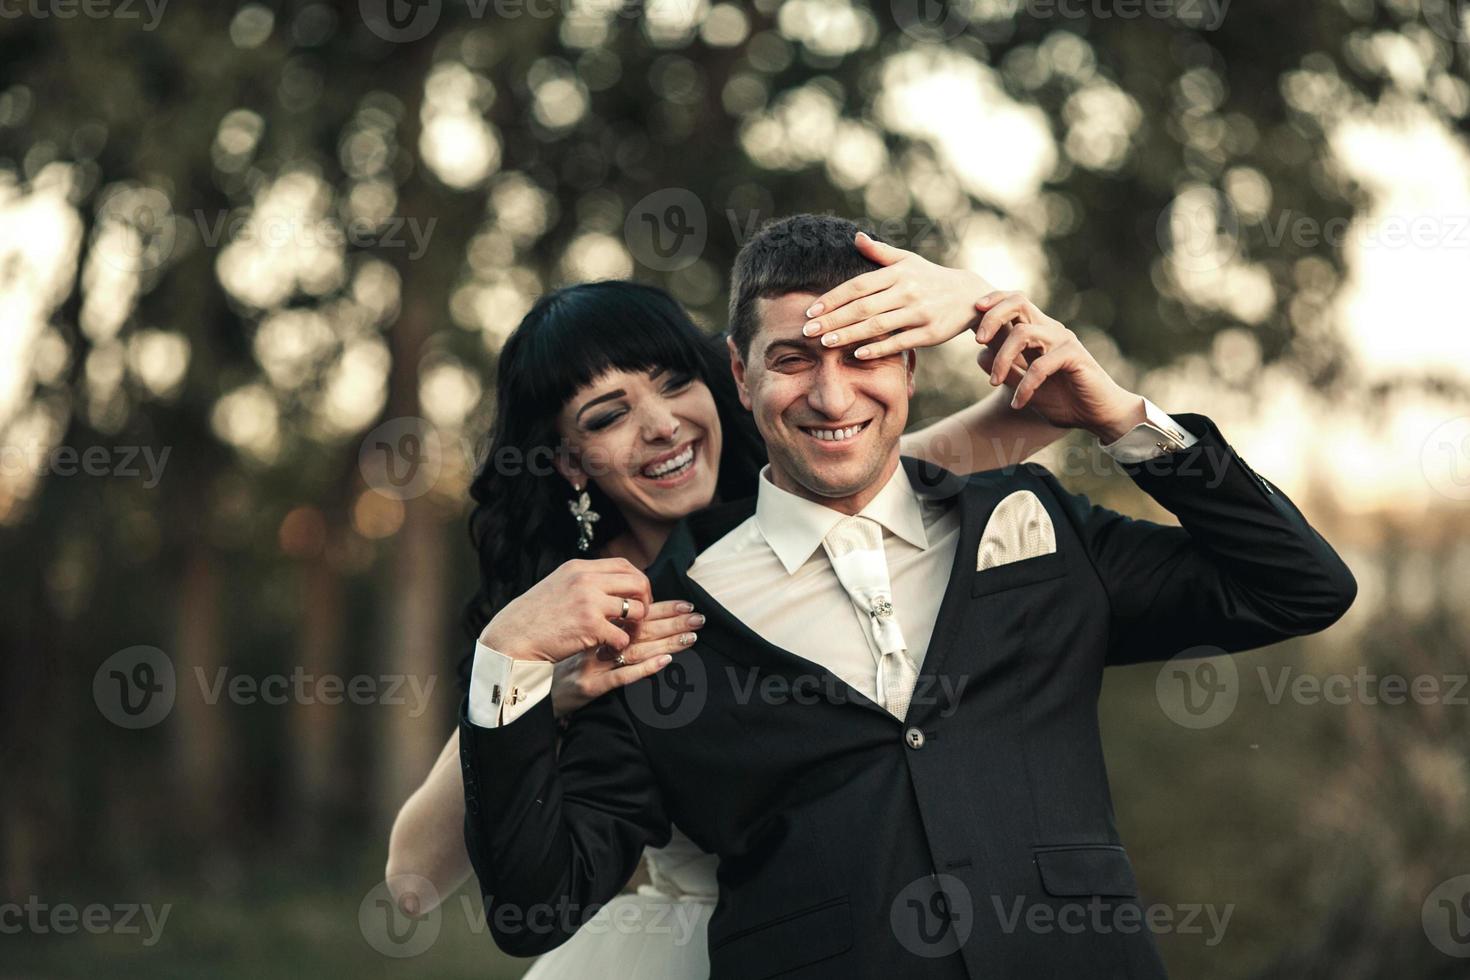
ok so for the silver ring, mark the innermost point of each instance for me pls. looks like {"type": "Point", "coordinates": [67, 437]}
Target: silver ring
{"type": "Point", "coordinates": [625, 609]}
{"type": "Point", "coordinates": [620, 661]}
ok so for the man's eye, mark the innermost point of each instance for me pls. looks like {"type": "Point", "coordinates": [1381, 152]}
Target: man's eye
{"type": "Point", "coordinates": [789, 362]}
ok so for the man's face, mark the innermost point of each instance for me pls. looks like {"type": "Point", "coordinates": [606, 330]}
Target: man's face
{"type": "Point", "coordinates": [831, 421]}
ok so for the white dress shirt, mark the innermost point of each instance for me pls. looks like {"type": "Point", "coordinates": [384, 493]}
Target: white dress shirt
{"type": "Point", "coordinates": [772, 573]}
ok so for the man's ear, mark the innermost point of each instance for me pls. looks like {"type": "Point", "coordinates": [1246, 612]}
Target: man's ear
{"type": "Point", "coordinates": [910, 362]}
{"type": "Point", "coordinates": [737, 368]}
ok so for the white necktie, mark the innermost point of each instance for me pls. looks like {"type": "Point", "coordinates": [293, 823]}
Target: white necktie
{"type": "Point", "coordinates": [855, 548]}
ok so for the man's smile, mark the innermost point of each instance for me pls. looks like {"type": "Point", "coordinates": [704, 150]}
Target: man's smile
{"type": "Point", "coordinates": [835, 434]}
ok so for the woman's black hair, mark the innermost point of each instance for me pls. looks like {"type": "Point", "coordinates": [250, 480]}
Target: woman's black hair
{"type": "Point", "coordinates": [520, 526]}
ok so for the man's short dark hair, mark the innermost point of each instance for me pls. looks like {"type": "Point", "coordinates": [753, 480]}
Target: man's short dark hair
{"type": "Point", "coordinates": [805, 253]}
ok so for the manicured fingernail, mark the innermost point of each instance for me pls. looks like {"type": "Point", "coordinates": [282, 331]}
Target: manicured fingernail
{"type": "Point", "coordinates": [686, 638]}
{"type": "Point", "coordinates": [811, 328]}
{"type": "Point", "coordinates": [832, 339]}
{"type": "Point", "coordinates": [1013, 401]}
{"type": "Point", "coordinates": [685, 607]}
{"type": "Point", "coordinates": [863, 352]}
{"type": "Point", "coordinates": [814, 310]}
{"type": "Point", "coordinates": [696, 620]}
{"type": "Point", "coordinates": [665, 660]}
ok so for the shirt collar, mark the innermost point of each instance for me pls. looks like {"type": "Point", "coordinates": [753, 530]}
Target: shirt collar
{"type": "Point", "coordinates": [794, 526]}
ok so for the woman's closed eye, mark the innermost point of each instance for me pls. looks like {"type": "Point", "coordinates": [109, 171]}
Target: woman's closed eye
{"type": "Point", "coordinates": [599, 422]}
{"type": "Point", "coordinates": [676, 384]}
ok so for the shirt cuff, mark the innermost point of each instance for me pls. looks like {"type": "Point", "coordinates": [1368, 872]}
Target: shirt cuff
{"type": "Point", "coordinates": [1157, 436]}
{"type": "Point", "coordinates": [503, 688]}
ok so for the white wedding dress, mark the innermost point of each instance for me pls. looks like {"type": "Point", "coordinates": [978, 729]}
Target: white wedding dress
{"type": "Point", "coordinates": [655, 933]}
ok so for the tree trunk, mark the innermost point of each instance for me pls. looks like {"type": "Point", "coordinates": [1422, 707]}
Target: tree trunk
{"type": "Point", "coordinates": [416, 638]}
{"type": "Point", "coordinates": [315, 750]}
{"type": "Point", "coordinates": [203, 763]}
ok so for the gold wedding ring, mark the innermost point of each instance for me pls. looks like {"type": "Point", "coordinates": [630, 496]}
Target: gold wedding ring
{"type": "Point", "coordinates": [625, 609]}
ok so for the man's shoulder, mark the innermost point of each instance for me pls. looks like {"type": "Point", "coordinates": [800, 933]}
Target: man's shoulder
{"type": "Point", "coordinates": [1026, 476]}
{"type": "Point", "coordinates": [694, 535]}
{"type": "Point", "coordinates": [934, 483]}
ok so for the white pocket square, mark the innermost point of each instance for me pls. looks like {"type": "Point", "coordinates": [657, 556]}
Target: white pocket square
{"type": "Point", "coordinates": [1018, 528]}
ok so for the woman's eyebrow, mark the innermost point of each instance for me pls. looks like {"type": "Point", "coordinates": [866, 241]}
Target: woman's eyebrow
{"type": "Point", "coordinates": [610, 396]}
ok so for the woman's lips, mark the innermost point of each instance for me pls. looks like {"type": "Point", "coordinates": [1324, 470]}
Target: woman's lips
{"type": "Point", "coordinates": [674, 468]}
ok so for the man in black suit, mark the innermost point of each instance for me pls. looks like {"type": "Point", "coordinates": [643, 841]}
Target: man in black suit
{"type": "Point", "coordinates": [888, 730]}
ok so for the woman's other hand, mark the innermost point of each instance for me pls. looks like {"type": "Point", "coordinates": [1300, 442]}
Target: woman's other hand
{"type": "Point", "coordinates": [666, 629]}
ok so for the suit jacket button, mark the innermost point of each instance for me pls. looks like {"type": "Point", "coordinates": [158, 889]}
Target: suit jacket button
{"type": "Point", "coordinates": [914, 738]}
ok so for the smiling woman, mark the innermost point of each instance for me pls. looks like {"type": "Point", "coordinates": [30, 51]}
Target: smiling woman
{"type": "Point", "coordinates": [604, 380]}
{"type": "Point", "coordinates": [650, 439]}
{"type": "Point", "coordinates": [611, 400]}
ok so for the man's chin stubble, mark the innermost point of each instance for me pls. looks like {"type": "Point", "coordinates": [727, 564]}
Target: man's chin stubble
{"type": "Point", "coordinates": [814, 483]}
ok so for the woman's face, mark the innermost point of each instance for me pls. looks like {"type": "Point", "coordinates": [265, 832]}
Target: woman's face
{"type": "Point", "coordinates": [650, 440]}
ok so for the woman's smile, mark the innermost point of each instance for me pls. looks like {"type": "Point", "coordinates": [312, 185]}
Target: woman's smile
{"type": "Point", "coordinates": [674, 468]}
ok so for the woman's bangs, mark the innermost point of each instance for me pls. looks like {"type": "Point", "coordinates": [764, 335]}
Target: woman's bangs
{"type": "Point", "coordinates": [590, 335]}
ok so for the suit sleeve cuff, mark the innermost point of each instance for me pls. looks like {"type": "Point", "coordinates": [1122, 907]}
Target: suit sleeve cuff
{"type": "Point", "coordinates": [503, 688]}
{"type": "Point", "coordinates": [1157, 436]}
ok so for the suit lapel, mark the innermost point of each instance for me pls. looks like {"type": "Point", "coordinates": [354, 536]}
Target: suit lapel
{"type": "Point", "coordinates": [978, 496]}
{"type": "Point", "coordinates": [754, 650]}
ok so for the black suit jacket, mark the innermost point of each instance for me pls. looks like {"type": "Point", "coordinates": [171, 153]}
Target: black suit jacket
{"type": "Point", "coordinates": [973, 839]}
